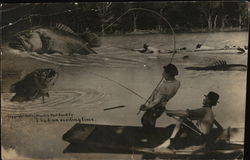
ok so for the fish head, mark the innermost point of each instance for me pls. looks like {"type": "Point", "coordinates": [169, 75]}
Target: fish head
{"type": "Point", "coordinates": [45, 78]}
{"type": "Point", "coordinates": [26, 41]}
{"type": "Point", "coordinates": [48, 76]}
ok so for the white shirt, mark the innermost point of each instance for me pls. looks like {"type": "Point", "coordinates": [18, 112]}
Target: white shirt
{"type": "Point", "coordinates": [164, 92]}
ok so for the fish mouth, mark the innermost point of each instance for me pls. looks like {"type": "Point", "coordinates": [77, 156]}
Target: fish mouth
{"type": "Point", "coordinates": [17, 43]}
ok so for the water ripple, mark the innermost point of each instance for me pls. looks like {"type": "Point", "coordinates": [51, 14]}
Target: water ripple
{"type": "Point", "coordinates": [58, 100]}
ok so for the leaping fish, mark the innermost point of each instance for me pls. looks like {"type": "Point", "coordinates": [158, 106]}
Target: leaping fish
{"type": "Point", "coordinates": [34, 85]}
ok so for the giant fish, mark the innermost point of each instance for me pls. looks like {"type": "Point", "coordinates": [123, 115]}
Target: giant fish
{"type": "Point", "coordinates": [59, 39]}
{"type": "Point", "coordinates": [34, 85]}
{"type": "Point", "coordinates": [220, 65]}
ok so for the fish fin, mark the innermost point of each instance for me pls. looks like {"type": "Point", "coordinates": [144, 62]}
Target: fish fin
{"type": "Point", "coordinates": [63, 27]}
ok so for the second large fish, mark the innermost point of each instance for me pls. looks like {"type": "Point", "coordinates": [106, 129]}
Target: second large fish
{"type": "Point", "coordinates": [59, 39]}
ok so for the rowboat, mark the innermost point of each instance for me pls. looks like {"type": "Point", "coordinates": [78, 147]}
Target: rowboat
{"type": "Point", "coordinates": [93, 138]}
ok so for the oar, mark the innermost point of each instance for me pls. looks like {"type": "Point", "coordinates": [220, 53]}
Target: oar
{"type": "Point", "coordinates": [187, 126]}
{"type": "Point", "coordinates": [151, 94]}
{"type": "Point", "coordinates": [121, 106]}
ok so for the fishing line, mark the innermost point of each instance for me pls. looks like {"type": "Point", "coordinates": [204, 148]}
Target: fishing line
{"type": "Point", "coordinates": [27, 16]}
{"type": "Point", "coordinates": [118, 84]}
{"type": "Point", "coordinates": [13, 8]}
{"type": "Point", "coordinates": [104, 7]}
{"type": "Point", "coordinates": [156, 13]}
{"type": "Point", "coordinates": [150, 11]}
{"type": "Point", "coordinates": [165, 20]}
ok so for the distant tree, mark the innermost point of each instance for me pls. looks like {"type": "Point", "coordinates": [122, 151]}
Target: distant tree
{"type": "Point", "coordinates": [104, 12]}
{"type": "Point", "coordinates": [210, 11]}
{"type": "Point", "coordinates": [104, 17]}
{"type": "Point", "coordinates": [242, 11]}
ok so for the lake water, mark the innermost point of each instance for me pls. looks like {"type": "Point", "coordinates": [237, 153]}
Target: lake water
{"type": "Point", "coordinates": [89, 84]}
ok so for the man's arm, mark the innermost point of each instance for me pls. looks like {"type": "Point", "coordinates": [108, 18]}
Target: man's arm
{"type": "Point", "coordinates": [195, 114]}
{"type": "Point", "coordinates": [162, 94]}
{"type": "Point", "coordinates": [178, 113]}
{"type": "Point", "coordinates": [218, 125]}
{"type": "Point", "coordinates": [154, 101]}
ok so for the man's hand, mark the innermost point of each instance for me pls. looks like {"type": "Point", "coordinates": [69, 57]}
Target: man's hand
{"type": "Point", "coordinates": [143, 107]}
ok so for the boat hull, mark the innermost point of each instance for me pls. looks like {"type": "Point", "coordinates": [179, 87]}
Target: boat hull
{"type": "Point", "coordinates": [87, 138]}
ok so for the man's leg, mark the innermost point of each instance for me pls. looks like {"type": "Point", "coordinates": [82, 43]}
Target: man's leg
{"type": "Point", "coordinates": [149, 120]}
{"type": "Point", "coordinates": [148, 125]}
{"type": "Point", "coordinates": [193, 139]}
{"type": "Point", "coordinates": [173, 135]}
{"type": "Point", "coordinates": [212, 137]}
{"type": "Point", "coordinates": [151, 115]}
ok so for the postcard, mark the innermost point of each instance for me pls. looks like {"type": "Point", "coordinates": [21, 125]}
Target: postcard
{"type": "Point", "coordinates": [123, 80]}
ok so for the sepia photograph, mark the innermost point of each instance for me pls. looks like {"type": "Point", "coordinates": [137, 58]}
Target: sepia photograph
{"type": "Point", "coordinates": [124, 80]}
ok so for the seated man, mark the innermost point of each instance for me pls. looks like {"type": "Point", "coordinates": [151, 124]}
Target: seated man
{"type": "Point", "coordinates": [186, 133]}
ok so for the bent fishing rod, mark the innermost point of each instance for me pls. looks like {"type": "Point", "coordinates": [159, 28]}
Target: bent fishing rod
{"type": "Point", "coordinates": [174, 49]}
{"type": "Point", "coordinates": [150, 11]}
{"type": "Point", "coordinates": [125, 87]}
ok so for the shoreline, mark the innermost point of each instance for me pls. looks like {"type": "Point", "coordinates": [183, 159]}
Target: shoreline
{"type": "Point", "coordinates": [176, 32]}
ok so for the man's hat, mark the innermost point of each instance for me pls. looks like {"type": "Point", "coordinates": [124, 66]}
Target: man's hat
{"type": "Point", "coordinates": [213, 97]}
{"type": "Point", "coordinates": [171, 69]}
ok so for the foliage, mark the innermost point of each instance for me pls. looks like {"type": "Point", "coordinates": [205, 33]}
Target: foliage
{"type": "Point", "coordinates": [96, 16]}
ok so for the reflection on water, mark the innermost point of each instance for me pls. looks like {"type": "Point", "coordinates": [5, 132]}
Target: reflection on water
{"type": "Point", "coordinates": [83, 90]}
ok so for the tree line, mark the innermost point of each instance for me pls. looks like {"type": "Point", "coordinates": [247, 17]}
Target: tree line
{"type": "Point", "coordinates": [100, 16]}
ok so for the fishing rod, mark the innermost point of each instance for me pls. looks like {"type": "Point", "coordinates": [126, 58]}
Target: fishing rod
{"type": "Point", "coordinates": [132, 91]}
{"type": "Point", "coordinates": [174, 44]}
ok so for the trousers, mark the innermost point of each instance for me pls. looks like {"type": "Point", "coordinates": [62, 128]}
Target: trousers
{"type": "Point", "coordinates": [149, 118]}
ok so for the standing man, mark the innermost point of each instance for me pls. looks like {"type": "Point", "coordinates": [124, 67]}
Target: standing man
{"type": "Point", "coordinates": [187, 133]}
{"type": "Point", "coordinates": [160, 96]}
